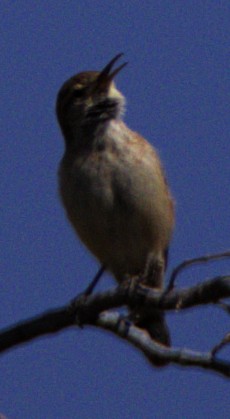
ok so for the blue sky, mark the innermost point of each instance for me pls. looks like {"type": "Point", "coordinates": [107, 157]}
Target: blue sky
{"type": "Point", "coordinates": [177, 86]}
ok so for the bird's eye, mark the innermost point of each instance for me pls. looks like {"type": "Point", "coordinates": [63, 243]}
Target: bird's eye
{"type": "Point", "coordinates": [78, 93]}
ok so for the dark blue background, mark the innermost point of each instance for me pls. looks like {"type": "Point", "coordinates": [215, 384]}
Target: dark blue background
{"type": "Point", "coordinates": [177, 86]}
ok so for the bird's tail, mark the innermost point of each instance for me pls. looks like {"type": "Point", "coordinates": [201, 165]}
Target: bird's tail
{"type": "Point", "coordinates": [156, 327]}
{"type": "Point", "coordinates": [153, 321]}
{"type": "Point", "coordinates": [155, 324]}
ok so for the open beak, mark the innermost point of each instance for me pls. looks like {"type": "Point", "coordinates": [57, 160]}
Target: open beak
{"type": "Point", "coordinates": [107, 75]}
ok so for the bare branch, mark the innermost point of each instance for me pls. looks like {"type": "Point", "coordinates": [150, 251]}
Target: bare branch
{"type": "Point", "coordinates": [49, 322]}
{"type": "Point", "coordinates": [152, 350]}
{"type": "Point", "coordinates": [195, 261]}
{"type": "Point", "coordinates": [93, 310]}
{"type": "Point", "coordinates": [209, 292]}
{"type": "Point", "coordinates": [224, 342]}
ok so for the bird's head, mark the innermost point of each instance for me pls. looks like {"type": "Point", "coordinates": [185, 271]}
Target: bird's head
{"type": "Point", "coordinates": [90, 98]}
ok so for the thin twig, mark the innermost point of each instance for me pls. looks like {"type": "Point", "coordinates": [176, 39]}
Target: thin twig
{"type": "Point", "coordinates": [224, 342]}
{"type": "Point", "coordinates": [224, 306]}
{"type": "Point", "coordinates": [189, 262]}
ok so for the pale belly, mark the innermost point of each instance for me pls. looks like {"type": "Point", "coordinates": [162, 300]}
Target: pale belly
{"type": "Point", "coordinates": [118, 210]}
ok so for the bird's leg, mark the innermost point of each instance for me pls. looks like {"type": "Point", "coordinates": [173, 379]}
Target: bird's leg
{"type": "Point", "coordinates": [154, 272]}
{"type": "Point", "coordinates": [88, 291]}
{"type": "Point", "coordinates": [77, 304]}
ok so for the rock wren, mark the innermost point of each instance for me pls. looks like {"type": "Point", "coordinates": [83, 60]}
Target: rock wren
{"type": "Point", "coordinates": [113, 187]}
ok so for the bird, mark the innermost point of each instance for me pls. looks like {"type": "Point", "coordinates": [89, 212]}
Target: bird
{"type": "Point", "coordinates": [113, 187]}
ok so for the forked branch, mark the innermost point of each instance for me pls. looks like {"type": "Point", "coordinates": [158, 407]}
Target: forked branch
{"type": "Point", "coordinates": [96, 310]}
